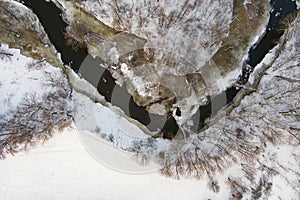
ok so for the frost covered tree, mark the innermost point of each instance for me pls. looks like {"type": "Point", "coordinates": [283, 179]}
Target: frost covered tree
{"type": "Point", "coordinates": [155, 45]}
{"type": "Point", "coordinates": [264, 120]}
{"type": "Point", "coordinates": [164, 51]}
{"type": "Point", "coordinates": [37, 116]}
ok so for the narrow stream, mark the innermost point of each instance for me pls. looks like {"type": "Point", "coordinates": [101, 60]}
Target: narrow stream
{"type": "Point", "coordinates": [281, 8]}
{"type": "Point", "coordinates": [50, 18]}
{"type": "Point", "coordinates": [273, 32]}
{"type": "Point", "coordinates": [89, 68]}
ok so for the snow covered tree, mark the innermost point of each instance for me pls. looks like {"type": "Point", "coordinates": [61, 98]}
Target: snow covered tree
{"type": "Point", "coordinates": [37, 117]}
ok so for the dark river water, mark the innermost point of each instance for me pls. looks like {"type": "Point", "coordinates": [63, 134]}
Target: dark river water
{"type": "Point", "coordinates": [281, 8]}
{"type": "Point", "coordinates": [80, 61]}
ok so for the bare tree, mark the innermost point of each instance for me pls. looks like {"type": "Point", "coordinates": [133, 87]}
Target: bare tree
{"type": "Point", "coordinates": [237, 188]}
{"type": "Point", "coordinates": [35, 119]}
{"type": "Point", "coordinates": [36, 64]}
{"type": "Point", "coordinates": [213, 185]}
{"type": "Point", "coordinates": [5, 55]}
{"type": "Point", "coordinates": [261, 188]}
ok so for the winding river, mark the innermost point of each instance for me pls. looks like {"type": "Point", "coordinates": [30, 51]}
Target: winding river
{"type": "Point", "coordinates": [50, 18]}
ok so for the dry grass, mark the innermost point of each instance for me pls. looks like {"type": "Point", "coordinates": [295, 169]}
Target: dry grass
{"type": "Point", "coordinates": [36, 64]}
{"type": "Point", "coordinates": [75, 36]}
{"type": "Point", "coordinates": [236, 45]}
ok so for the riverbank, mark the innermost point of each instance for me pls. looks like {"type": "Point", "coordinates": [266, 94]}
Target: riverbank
{"type": "Point", "coordinates": [21, 29]}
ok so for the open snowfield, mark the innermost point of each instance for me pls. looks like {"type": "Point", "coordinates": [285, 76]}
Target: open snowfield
{"type": "Point", "coordinates": [63, 169]}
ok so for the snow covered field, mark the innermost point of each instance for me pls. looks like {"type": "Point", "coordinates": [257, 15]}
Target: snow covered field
{"type": "Point", "coordinates": [63, 169]}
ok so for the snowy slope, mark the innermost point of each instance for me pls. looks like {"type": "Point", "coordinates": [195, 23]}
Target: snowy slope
{"type": "Point", "coordinates": [102, 120]}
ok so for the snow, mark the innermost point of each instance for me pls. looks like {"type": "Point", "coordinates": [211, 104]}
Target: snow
{"type": "Point", "coordinates": [85, 90]}
{"type": "Point", "coordinates": [34, 101]}
{"type": "Point", "coordinates": [267, 60]}
{"type": "Point", "coordinates": [163, 24]}
{"type": "Point", "coordinates": [63, 169]}
{"type": "Point", "coordinates": [114, 55]}
{"type": "Point", "coordinates": [182, 36]}
{"type": "Point", "coordinates": [31, 19]}
{"type": "Point", "coordinates": [141, 85]}
{"type": "Point", "coordinates": [17, 80]}
{"type": "Point", "coordinates": [228, 80]}
{"type": "Point", "coordinates": [261, 118]}
{"type": "Point", "coordinates": [297, 3]}
{"type": "Point", "coordinates": [90, 116]}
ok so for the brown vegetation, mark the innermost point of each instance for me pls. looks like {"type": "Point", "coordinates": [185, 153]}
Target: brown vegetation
{"type": "Point", "coordinates": [75, 35]}
{"type": "Point", "coordinates": [36, 64]}
{"type": "Point", "coordinates": [18, 31]}
{"type": "Point", "coordinates": [237, 187]}
{"type": "Point", "coordinates": [263, 187]}
{"type": "Point", "coordinates": [250, 16]}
